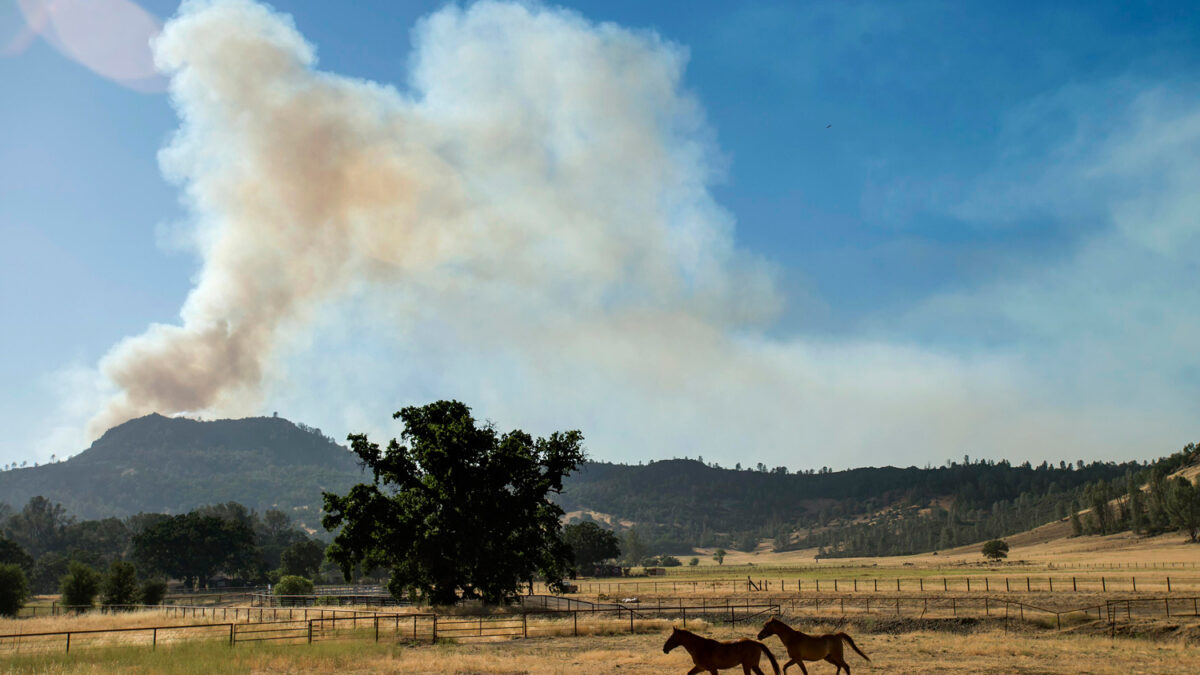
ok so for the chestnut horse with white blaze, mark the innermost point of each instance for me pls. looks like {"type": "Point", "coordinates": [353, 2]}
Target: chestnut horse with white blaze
{"type": "Point", "coordinates": [802, 647]}
{"type": "Point", "coordinates": [712, 655]}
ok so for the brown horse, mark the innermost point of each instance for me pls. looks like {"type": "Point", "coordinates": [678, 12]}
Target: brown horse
{"type": "Point", "coordinates": [711, 655]}
{"type": "Point", "coordinates": [802, 647]}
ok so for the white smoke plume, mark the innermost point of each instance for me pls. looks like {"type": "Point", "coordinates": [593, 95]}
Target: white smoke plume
{"type": "Point", "coordinates": [535, 203]}
{"type": "Point", "coordinates": [537, 154]}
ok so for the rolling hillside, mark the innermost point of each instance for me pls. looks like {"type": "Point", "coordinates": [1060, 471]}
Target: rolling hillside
{"type": "Point", "coordinates": [171, 465]}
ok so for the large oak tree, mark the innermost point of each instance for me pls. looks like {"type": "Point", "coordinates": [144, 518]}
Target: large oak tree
{"type": "Point", "coordinates": [456, 510]}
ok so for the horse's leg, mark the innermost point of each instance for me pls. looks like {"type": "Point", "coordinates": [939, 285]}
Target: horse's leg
{"type": "Point", "coordinates": [696, 670]}
{"type": "Point", "coordinates": [840, 663]}
{"type": "Point", "coordinates": [790, 662]}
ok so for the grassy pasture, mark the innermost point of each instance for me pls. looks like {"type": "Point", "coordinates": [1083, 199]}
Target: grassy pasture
{"type": "Point", "coordinates": [971, 651]}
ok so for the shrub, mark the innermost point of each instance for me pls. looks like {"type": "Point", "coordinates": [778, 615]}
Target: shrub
{"type": "Point", "coordinates": [694, 561]}
{"type": "Point", "coordinates": [14, 589]}
{"type": "Point", "coordinates": [120, 585]}
{"type": "Point", "coordinates": [80, 586]}
{"type": "Point", "coordinates": [293, 585]}
{"type": "Point", "coordinates": [660, 561]}
{"type": "Point", "coordinates": [995, 549]}
{"type": "Point", "coordinates": [153, 591]}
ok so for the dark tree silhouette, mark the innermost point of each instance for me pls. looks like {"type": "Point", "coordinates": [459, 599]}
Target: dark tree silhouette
{"type": "Point", "coordinates": [458, 510]}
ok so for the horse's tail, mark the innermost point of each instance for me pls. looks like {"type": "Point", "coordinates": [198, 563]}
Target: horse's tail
{"type": "Point", "coordinates": [771, 657]}
{"type": "Point", "coordinates": [853, 646]}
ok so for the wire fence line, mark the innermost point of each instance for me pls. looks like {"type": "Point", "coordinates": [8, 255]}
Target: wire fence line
{"type": "Point", "coordinates": [1044, 583]}
{"type": "Point", "coordinates": [549, 616]}
{"type": "Point", "coordinates": [306, 625]}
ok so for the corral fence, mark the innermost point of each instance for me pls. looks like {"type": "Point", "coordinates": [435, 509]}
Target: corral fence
{"type": "Point", "coordinates": [548, 616]}
{"type": "Point", "coordinates": [1044, 583]}
{"type": "Point", "coordinates": [313, 599]}
{"type": "Point", "coordinates": [308, 625]}
{"type": "Point", "coordinates": [988, 607]}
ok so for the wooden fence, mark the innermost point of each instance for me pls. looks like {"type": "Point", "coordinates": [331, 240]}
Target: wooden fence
{"type": "Point", "coordinates": [307, 625]}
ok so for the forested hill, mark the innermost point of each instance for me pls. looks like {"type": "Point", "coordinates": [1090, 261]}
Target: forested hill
{"type": "Point", "coordinates": [172, 465]}
{"type": "Point", "coordinates": [677, 504]}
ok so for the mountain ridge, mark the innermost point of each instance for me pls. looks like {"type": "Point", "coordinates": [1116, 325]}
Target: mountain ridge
{"type": "Point", "coordinates": [171, 465]}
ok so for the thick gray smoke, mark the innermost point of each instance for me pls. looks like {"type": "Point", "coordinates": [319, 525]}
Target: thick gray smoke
{"type": "Point", "coordinates": [535, 202]}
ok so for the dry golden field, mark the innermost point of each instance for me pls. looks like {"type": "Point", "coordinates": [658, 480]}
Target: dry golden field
{"type": "Point", "coordinates": [982, 651]}
{"type": "Point", "coordinates": [936, 643]}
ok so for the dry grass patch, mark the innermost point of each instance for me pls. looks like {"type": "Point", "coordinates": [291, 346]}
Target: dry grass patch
{"type": "Point", "coordinates": [979, 651]}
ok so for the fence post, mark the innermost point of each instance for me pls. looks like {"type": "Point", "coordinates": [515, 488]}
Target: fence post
{"type": "Point", "coordinates": [1074, 587]}
{"type": "Point", "coordinates": [631, 619]}
{"type": "Point", "coordinates": [68, 642]}
{"type": "Point", "coordinates": [1134, 579]}
{"type": "Point", "coordinates": [377, 627]}
{"type": "Point", "coordinates": [1026, 586]}
{"type": "Point", "coordinates": [524, 625]}
{"type": "Point", "coordinates": [310, 631]}
{"type": "Point", "coordinates": [1103, 585]}
{"type": "Point", "coordinates": [1168, 584]}
{"type": "Point", "coordinates": [231, 636]}
{"type": "Point", "coordinates": [1167, 606]}
{"type": "Point", "coordinates": [1006, 587]}
{"type": "Point", "coordinates": [154, 639]}
{"type": "Point", "coordinates": [435, 628]}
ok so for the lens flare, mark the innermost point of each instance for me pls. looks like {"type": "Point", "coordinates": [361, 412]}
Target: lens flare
{"type": "Point", "coordinates": [110, 37]}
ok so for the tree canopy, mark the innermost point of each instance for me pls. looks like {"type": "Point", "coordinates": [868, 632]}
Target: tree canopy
{"type": "Point", "coordinates": [996, 549]}
{"type": "Point", "coordinates": [194, 546]}
{"type": "Point", "coordinates": [14, 589]}
{"type": "Point", "coordinates": [590, 544]}
{"type": "Point", "coordinates": [457, 510]}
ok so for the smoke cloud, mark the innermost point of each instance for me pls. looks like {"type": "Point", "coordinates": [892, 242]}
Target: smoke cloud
{"type": "Point", "coordinates": [537, 155]}
{"type": "Point", "coordinates": [527, 224]}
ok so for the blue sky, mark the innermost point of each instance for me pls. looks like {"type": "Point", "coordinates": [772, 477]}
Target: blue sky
{"type": "Point", "coordinates": [997, 195]}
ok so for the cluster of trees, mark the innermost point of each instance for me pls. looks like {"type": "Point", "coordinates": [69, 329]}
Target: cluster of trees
{"type": "Point", "coordinates": [1146, 502]}
{"type": "Point", "coordinates": [125, 561]}
{"type": "Point", "coordinates": [1141, 499]}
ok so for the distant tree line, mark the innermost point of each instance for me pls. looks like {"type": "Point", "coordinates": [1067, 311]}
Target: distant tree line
{"type": "Point", "coordinates": [126, 560]}
{"type": "Point", "coordinates": [678, 505]}
{"type": "Point", "coordinates": [1146, 502]}
{"type": "Point", "coordinates": [1141, 499]}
